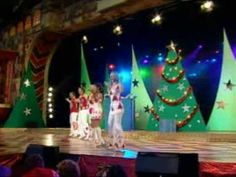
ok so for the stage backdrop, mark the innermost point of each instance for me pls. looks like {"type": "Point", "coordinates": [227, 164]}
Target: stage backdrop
{"type": "Point", "coordinates": [128, 118]}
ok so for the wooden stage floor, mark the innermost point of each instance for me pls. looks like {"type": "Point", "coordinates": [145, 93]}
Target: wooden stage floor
{"type": "Point", "coordinates": [215, 147]}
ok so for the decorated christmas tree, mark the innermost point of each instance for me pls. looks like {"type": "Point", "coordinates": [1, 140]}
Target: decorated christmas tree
{"type": "Point", "coordinates": [175, 99]}
{"type": "Point", "coordinates": [224, 111]}
{"type": "Point", "coordinates": [153, 124]}
{"type": "Point", "coordinates": [142, 100]}
{"type": "Point", "coordinates": [84, 76]}
{"type": "Point", "coordinates": [26, 112]}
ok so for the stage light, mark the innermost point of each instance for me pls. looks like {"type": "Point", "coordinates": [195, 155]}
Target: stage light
{"type": "Point", "coordinates": [50, 89]}
{"type": "Point", "coordinates": [199, 61]}
{"type": "Point", "coordinates": [156, 19]}
{"type": "Point", "coordinates": [160, 58]}
{"type": "Point", "coordinates": [159, 54]}
{"type": "Point", "coordinates": [84, 39]}
{"type": "Point", "coordinates": [50, 94]}
{"type": "Point", "coordinates": [200, 46]}
{"type": "Point", "coordinates": [125, 76]}
{"type": "Point", "coordinates": [50, 105]}
{"type": "Point", "coordinates": [213, 60]}
{"type": "Point", "coordinates": [144, 73]}
{"type": "Point", "coordinates": [207, 6]}
{"type": "Point", "coordinates": [95, 49]}
{"type": "Point", "coordinates": [117, 30]}
{"type": "Point", "coordinates": [50, 110]}
{"type": "Point", "coordinates": [101, 47]}
{"type": "Point", "coordinates": [145, 61]}
{"type": "Point", "coordinates": [192, 75]}
{"type": "Point", "coordinates": [111, 66]}
{"type": "Point", "coordinates": [118, 44]}
{"type": "Point", "coordinates": [49, 99]}
{"type": "Point", "coordinates": [158, 69]}
{"type": "Point", "coordinates": [50, 116]}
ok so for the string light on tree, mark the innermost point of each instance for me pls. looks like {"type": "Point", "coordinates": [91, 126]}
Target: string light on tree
{"type": "Point", "coordinates": [50, 94]}
{"type": "Point", "coordinates": [50, 103]}
{"type": "Point", "coordinates": [50, 89]}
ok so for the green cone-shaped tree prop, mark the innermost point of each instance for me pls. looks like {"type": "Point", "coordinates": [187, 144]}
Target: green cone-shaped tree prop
{"type": "Point", "coordinates": [84, 76]}
{"type": "Point", "coordinates": [105, 104]}
{"type": "Point", "coordinates": [224, 111]}
{"type": "Point", "coordinates": [142, 99]}
{"type": "Point", "coordinates": [175, 99]}
{"type": "Point", "coordinates": [26, 112]}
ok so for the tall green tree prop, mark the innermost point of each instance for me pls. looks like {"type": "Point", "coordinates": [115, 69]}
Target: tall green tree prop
{"type": "Point", "coordinates": [105, 103]}
{"type": "Point", "coordinates": [26, 112]}
{"type": "Point", "coordinates": [142, 100]}
{"type": "Point", "coordinates": [84, 76]}
{"type": "Point", "coordinates": [175, 99]}
{"type": "Point", "coordinates": [224, 111]}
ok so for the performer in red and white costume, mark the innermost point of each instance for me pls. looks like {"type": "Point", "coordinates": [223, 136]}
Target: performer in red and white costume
{"type": "Point", "coordinates": [73, 114]}
{"type": "Point", "coordinates": [116, 112]}
{"type": "Point", "coordinates": [83, 114]}
{"type": "Point", "coordinates": [96, 112]}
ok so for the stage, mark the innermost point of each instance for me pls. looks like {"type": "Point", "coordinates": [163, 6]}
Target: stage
{"type": "Point", "coordinates": [214, 149]}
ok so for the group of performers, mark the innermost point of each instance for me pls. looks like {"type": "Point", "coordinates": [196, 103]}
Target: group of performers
{"type": "Point", "coordinates": [86, 113]}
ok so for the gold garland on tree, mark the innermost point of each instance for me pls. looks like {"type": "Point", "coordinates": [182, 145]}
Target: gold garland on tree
{"type": "Point", "coordinates": [173, 79]}
{"type": "Point", "coordinates": [174, 102]}
{"type": "Point", "coordinates": [173, 62]}
{"type": "Point", "coordinates": [181, 123]}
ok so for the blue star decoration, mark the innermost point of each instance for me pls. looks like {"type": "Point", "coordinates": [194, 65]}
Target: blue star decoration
{"type": "Point", "coordinates": [229, 85]}
{"type": "Point", "coordinates": [135, 83]}
{"type": "Point", "coordinates": [146, 109]}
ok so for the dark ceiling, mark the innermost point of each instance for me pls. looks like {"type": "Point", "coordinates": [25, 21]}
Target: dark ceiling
{"type": "Point", "coordinates": [11, 10]}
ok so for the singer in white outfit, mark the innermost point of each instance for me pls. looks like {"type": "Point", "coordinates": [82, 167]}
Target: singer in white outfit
{"type": "Point", "coordinates": [116, 113]}
{"type": "Point", "coordinates": [96, 112]}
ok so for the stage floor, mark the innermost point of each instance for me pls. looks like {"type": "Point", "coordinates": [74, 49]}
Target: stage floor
{"type": "Point", "coordinates": [214, 147]}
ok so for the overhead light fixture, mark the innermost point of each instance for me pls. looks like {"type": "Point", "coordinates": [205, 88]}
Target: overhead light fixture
{"type": "Point", "coordinates": [156, 19]}
{"type": "Point", "coordinates": [207, 6]}
{"type": "Point", "coordinates": [84, 39]}
{"type": "Point", "coordinates": [117, 30]}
